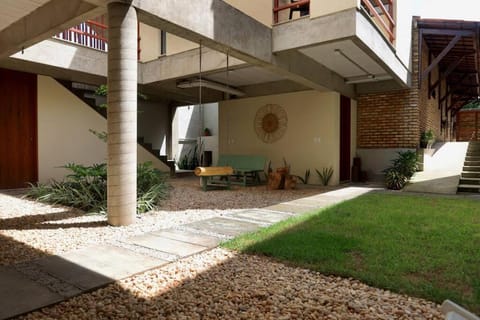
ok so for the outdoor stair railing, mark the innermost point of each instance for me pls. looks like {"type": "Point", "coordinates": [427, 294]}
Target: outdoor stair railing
{"type": "Point", "coordinates": [92, 34]}
{"type": "Point", "coordinates": [381, 13]}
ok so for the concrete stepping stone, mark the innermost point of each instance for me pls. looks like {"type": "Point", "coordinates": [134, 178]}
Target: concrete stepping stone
{"type": "Point", "coordinates": [228, 227]}
{"type": "Point", "coordinates": [19, 295]}
{"type": "Point", "coordinates": [286, 207]}
{"type": "Point", "coordinates": [263, 216]}
{"type": "Point", "coordinates": [189, 237]}
{"type": "Point", "coordinates": [97, 266]}
{"type": "Point", "coordinates": [160, 243]}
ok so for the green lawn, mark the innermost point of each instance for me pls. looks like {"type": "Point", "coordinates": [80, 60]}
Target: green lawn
{"type": "Point", "coordinates": [422, 246]}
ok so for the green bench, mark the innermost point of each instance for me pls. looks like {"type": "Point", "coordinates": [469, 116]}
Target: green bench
{"type": "Point", "coordinates": [246, 167]}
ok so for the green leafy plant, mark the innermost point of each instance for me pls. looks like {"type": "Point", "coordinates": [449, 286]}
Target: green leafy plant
{"type": "Point", "coordinates": [85, 187]}
{"type": "Point", "coordinates": [325, 175]}
{"type": "Point", "coordinates": [427, 138]}
{"type": "Point", "coordinates": [394, 179]}
{"type": "Point", "coordinates": [102, 135]}
{"type": "Point", "coordinates": [402, 169]}
{"type": "Point", "coordinates": [306, 177]}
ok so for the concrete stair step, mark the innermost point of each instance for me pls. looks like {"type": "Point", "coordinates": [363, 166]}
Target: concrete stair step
{"type": "Point", "coordinates": [471, 168]}
{"type": "Point", "coordinates": [470, 188]}
{"type": "Point", "coordinates": [470, 174]}
{"type": "Point", "coordinates": [472, 163]}
{"type": "Point", "coordinates": [471, 181]}
{"type": "Point", "coordinates": [473, 154]}
{"type": "Point", "coordinates": [472, 158]}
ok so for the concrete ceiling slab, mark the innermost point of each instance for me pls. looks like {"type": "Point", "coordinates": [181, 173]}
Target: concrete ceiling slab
{"type": "Point", "coordinates": [13, 10]}
{"type": "Point", "coordinates": [327, 55]}
{"type": "Point", "coordinates": [244, 76]}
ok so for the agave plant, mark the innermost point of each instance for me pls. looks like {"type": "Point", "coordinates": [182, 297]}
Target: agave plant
{"type": "Point", "coordinates": [325, 175]}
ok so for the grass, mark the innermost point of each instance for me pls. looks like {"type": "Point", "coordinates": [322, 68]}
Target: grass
{"type": "Point", "coordinates": [427, 247]}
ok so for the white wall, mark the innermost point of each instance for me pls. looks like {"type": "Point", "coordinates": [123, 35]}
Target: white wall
{"type": "Point", "coordinates": [63, 136]}
{"type": "Point", "coordinates": [153, 124]}
{"type": "Point", "coordinates": [403, 43]}
{"type": "Point", "coordinates": [312, 139]}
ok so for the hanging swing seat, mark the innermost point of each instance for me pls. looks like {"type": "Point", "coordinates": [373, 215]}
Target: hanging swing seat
{"type": "Point", "coordinates": [214, 177]}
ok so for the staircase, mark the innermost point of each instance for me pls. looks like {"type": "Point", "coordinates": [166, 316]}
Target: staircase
{"type": "Point", "coordinates": [470, 179]}
{"type": "Point", "coordinates": [86, 93]}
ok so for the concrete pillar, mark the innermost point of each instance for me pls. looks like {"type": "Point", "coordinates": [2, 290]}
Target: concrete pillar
{"type": "Point", "coordinates": [122, 114]}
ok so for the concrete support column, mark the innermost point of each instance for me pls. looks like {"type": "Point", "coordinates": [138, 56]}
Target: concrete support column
{"type": "Point", "coordinates": [122, 114]}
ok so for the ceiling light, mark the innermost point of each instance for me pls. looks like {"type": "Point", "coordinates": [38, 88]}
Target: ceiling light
{"type": "Point", "coordinates": [196, 83]}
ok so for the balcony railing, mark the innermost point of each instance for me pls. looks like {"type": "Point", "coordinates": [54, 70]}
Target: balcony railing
{"type": "Point", "coordinates": [91, 34]}
{"type": "Point", "coordinates": [381, 12]}
{"type": "Point", "coordinates": [302, 6]}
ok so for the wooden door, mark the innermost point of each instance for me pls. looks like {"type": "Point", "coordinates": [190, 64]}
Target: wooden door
{"type": "Point", "coordinates": [345, 145]}
{"type": "Point", "coordinates": [18, 129]}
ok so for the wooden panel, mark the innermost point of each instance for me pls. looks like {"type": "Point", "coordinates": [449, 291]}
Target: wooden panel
{"type": "Point", "coordinates": [345, 138]}
{"type": "Point", "coordinates": [18, 129]}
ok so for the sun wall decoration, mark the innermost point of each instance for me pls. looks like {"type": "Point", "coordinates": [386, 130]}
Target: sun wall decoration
{"type": "Point", "coordinates": [270, 123]}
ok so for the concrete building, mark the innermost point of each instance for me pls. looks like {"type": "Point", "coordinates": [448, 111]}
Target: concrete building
{"type": "Point", "coordinates": [315, 82]}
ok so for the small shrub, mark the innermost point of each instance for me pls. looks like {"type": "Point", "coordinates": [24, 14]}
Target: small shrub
{"type": "Point", "coordinates": [85, 187]}
{"type": "Point", "coordinates": [394, 179]}
{"type": "Point", "coordinates": [402, 169]}
{"type": "Point", "coordinates": [325, 175]}
{"type": "Point", "coordinates": [306, 177]}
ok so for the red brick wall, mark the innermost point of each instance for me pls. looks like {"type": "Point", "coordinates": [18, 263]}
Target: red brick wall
{"type": "Point", "coordinates": [468, 125]}
{"type": "Point", "coordinates": [395, 119]}
{"type": "Point", "coordinates": [388, 120]}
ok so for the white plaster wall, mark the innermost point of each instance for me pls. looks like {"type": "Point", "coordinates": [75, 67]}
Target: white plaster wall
{"type": "Point", "coordinates": [403, 44]}
{"type": "Point", "coordinates": [63, 136]}
{"type": "Point", "coordinates": [312, 139]}
{"type": "Point", "coordinates": [153, 124]}
{"type": "Point", "coordinates": [320, 8]}
{"type": "Point", "coordinates": [176, 44]}
{"type": "Point", "coordinates": [260, 10]}
{"type": "Point", "coordinates": [149, 42]}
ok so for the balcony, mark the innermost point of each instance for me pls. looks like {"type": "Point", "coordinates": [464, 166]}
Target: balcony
{"type": "Point", "coordinates": [355, 39]}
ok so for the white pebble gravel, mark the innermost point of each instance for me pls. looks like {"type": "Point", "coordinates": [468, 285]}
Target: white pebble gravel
{"type": "Point", "coordinates": [217, 284]}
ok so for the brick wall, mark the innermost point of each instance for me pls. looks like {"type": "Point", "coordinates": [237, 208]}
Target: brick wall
{"type": "Point", "coordinates": [388, 120]}
{"type": "Point", "coordinates": [468, 125]}
{"type": "Point", "coordinates": [395, 119]}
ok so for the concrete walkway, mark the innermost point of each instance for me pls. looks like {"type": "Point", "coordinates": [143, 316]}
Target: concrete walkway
{"type": "Point", "coordinates": [35, 284]}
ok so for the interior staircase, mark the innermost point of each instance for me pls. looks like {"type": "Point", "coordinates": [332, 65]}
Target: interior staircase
{"type": "Point", "coordinates": [86, 93]}
{"type": "Point", "coordinates": [470, 178]}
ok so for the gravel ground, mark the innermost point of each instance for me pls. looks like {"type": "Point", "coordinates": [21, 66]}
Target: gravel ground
{"type": "Point", "coordinates": [223, 285]}
{"type": "Point", "coordinates": [218, 284]}
{"type": "Point", "coordinates": [29, 229]}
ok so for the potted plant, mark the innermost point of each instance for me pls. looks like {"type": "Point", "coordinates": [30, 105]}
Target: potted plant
{"type": "Point", "coordinates": [427, 139]}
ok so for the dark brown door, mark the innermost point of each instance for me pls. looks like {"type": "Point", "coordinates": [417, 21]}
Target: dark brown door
{"type": "Point", "coordinates": [345, 145]}
{"type": "Point", "coordinates": [18, 129]}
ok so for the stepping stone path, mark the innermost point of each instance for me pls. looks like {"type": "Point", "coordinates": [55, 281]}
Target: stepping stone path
{"type": "Point", "coordinates": [29, 286]}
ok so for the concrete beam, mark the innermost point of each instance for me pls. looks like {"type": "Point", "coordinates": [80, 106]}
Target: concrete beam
{"type": "Point", "coordinates": [57, 54]}
{"type": "Point", "coordinates": [185, 64]}
{"type": "Point", "coordinates": [218, 25]}
{"type": "Point", "coordinates": [49, 19]}
{"type": "Point", "coordinates": [310, 73]}
{"type": "Point", "coordinates": [308, 32]}
{"type": "Point", "coordinates": [213, 22]}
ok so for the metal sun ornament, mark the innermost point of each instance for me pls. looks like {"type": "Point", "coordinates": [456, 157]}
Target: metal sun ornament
{"type": "Point", "coordinates": [270, 123]}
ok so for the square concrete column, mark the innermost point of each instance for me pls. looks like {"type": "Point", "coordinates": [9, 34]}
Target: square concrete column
{"type": "Point", "coordinates": [122, 114]}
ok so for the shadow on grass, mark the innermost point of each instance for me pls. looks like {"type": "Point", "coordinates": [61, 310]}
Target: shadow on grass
{"type": "Point", "coordinates": [421, 246]}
